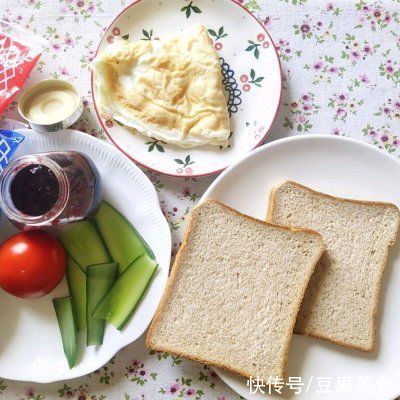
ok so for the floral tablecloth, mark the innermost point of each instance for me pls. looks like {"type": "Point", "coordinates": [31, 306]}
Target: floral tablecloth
{"type": "Point", "coordinates": [341, 67]}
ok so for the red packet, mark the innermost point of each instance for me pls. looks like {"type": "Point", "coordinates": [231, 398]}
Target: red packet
{"type": "Point", "coordinates": [19, 53]}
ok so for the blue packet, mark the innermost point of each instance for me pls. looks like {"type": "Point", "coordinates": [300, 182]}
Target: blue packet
{"type": "Point", "coordinates": [9, 142]}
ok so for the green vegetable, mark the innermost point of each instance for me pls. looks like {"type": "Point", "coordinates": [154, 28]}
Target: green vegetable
{"type": "Point", "coordinates": [99, 280]}
{"type": "Point", "coordinates": [77, 289]}
{"type": "Point", "coordinates": [123, 242]}
{"type": "Point", "coordinates": [84, 244]}
{"type": "Point", "coordinates": [68, 328]}
{"type": "Point", "coordinates": [120, 302]}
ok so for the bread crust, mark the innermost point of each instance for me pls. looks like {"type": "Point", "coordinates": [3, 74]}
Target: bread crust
{"type": "Point", "coordinates": [269, 218]}
{"type": "Point", "coordinates": [353, 201]}
{"type": "Point", "coordinates": [173, 275]}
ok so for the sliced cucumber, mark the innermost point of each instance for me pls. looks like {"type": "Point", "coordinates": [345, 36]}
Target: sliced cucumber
{"type": "Point", "coordinates": [123, 242]}
{"type": "Point", "coordinates": [68, 328]}
{"type": "Point", "coordinates": [84, 244]}
{"type": "Point", "coordinates": [77, 289]}
{"type": "Point", "coordinates": [121, 301]}
{"type": "Point", "coordinates": [99, 280]}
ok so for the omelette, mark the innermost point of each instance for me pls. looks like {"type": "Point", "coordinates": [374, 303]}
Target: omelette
{"type": "Point", "coordinates": [168, 89]}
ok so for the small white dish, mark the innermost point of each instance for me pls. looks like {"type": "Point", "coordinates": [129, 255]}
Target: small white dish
{"type": "Point", "coordinates": [251, 76]}
{"type": "Point", "coordinates": [30, 341]}
{"type": "Point", "coordinates": [346, 168]}
{"type": "Point", "coordinates": [57, 103]}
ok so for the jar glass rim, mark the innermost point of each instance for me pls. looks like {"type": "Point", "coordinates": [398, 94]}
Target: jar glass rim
{"type": "Point", "coordinates": [8, 175]}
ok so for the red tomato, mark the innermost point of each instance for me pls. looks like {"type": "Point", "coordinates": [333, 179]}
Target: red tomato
{"type": "Point", "coordinates": [32, 264]}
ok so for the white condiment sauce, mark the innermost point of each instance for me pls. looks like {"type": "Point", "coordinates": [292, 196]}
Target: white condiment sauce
{"type": "Point", "coordinates": [51, 106]}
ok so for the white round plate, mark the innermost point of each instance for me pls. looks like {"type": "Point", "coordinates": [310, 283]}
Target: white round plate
{"type": "Point", "coordinates": [250, 68]}
{"type": "Point", "coordinates": [346, 168]}
{"type": "Point", "coordinates": [30, 341]}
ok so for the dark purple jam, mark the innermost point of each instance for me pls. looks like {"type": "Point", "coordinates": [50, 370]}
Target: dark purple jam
{"type": "Point", "coordinates": [85, 190]}
{"type": "Point", "coordinates": [50, 189]}
{"type": "Point", "coordinates": [35, 190]}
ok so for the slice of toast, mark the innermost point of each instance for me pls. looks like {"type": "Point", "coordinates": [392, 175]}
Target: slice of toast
{"type": "Point", "coordinates": [235, 291]}
{"type": "Point", "coordinates": [341, 301]}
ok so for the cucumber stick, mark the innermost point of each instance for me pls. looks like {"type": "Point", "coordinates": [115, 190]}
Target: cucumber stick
{"type": "Point", "coordinates": [99, 280]}
{"type": "Point", "coordinates": [121, 301]}
{"type": "Point", "coordinates": [123, 242]}
{"type": "Point", "coordinates": [76, 279]}
{"type": "Point", "coordinates": [84, 244]}
{"type": "Point", "coordinates": [68, 328]}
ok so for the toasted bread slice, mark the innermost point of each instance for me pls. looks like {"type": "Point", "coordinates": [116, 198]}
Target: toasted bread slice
{"type": "Point", "coordinates": [235, 291]}
{"type": "Point", "coordinates": [341, 300]}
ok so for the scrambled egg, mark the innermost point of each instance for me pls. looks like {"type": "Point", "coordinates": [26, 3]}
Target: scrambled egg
{"type": "Point", "coordinates": [168, 89]}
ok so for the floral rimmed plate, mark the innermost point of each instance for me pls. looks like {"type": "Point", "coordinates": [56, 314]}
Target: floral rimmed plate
{"type": "Point", "coordinates": [251, 76]}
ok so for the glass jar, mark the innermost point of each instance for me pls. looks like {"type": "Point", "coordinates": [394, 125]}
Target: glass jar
{"type": "Point", "coordinates": [48, 189]}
